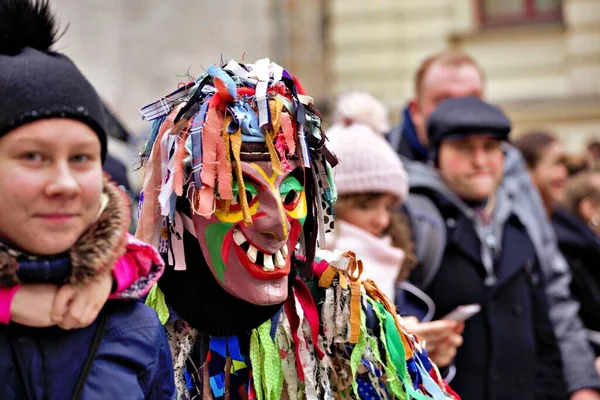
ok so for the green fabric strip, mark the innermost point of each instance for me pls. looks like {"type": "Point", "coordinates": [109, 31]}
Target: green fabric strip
{"type": "Point", "coordinates": [156, 300]}
{"type": "Point", "coordinates": [394, 342]}
{"type": "Point", "coordinates": [272, 370]}
{"type": "Point", "coordinates": [358, 351]}
{"type": "Point", "coordinates": [394, 383]}
{"type": "Point", "coordinates": [256, 361]}
{"type": "Point", "coordinates": [267, 371]}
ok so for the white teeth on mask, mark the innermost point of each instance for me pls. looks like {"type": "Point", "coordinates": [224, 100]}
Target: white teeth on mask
{"type": "Point", "coordinates": [239, 237]}
{"type": "Point", "coordinates": [252, 252]}
{"type": "Point", "coordinates": [268, 263]}
{"type": "Point", "coordinates": [279, 259]}
{"type": "Point", "coordinates": [284, 251]}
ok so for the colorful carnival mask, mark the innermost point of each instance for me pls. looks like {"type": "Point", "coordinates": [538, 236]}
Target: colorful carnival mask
{"type": "Point", "coordinates": [244, 147]}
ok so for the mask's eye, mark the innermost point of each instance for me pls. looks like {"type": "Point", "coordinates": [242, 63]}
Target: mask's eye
{"type": "Point", "coordinates": [251, 195]}
{"type": "Point", "coordinates": [291, 191]}
{"type": "Point", "coordinates": [291, 197]}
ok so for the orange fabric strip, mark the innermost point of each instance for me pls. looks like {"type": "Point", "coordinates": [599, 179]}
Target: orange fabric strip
{"type": "Point", "coordinates": [328, 276]}
{"type": "Point", "coordinates": [236, 147]}
{"type": "Point", "coordinates": [181, 129]}
{"type": "Point", "coordinates": [270, 140]}
{"type": "Point", "coordinates": [211, 135]}
{"type": "Point", "coordinates": [152, 182]}
{"type": "Point", "coordinates": [355, 308]}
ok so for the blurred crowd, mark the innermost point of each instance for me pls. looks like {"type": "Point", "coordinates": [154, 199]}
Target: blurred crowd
{"type": "Point", "coordinates": [488, 243]}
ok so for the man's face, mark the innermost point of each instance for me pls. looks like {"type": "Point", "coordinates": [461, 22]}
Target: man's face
{"type": "Point", "coordinates": [440, 83]}
{"type": "Point", "coordinates": [550, 174]}
{"type": "Point", "coordinates": [472, 167]}
{"type": "Point", "coordinates": [253, 263]}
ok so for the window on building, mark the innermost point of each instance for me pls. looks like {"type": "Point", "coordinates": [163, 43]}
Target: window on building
{"type": "Point", "coordinates": [516, 12]}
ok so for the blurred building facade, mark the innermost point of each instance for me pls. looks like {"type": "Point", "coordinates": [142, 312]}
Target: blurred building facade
{"type": "Point", "coordinates": [541, 57]}
{"type": "Point", "coordinates": [135, 51]}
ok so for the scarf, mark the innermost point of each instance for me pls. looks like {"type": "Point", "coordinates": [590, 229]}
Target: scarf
{"type": "Point", "coordinates": [382, 261]}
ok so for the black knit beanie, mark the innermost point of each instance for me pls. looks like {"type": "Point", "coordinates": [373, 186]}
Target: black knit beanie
{"type": "Point", "coordinates": [461, 117]}
{"type": "Point", "coordinates": [35, 82]}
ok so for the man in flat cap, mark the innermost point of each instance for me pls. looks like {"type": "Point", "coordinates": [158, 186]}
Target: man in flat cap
{"type": "Point", "coordinates": [509, 350]}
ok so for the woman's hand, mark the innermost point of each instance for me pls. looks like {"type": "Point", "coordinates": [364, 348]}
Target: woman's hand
{"type": "Point", "coordinates": [441, 338]}
{"type": "Point", "coordinates": [32, 305]}
{"type": "Point", "coordinates": [77, 306]}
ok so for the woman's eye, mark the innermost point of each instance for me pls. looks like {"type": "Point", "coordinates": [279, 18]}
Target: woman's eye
{"type": "Point", "coordinates": [33, 157]}
{"type": "Point", "coordinates": [80, 158]}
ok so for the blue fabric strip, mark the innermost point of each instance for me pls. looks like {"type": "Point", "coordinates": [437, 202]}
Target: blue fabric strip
{"type": "Point", "coordinates": [218, 344]}
{"type": "Point", "coordinates": [217, 72]}
{"type": "Point", "coordinates": [217, 384]}
{"type": "Point", "coordinates": [233, 346]}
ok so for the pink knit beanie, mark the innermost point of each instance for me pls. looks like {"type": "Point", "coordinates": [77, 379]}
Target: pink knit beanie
{"type": "Point", "coordinates": [367, 162]}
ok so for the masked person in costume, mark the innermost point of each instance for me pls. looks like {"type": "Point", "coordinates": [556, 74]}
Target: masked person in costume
{"type": "Point", "coordinates": [237, 189]}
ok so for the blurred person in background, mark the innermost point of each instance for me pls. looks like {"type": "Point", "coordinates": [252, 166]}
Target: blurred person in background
{"type": "Point", "coordinates": [455, 74]}
{"type": "Point", "coordinates": [117, 169]}
{"type": "Point", "coordinates": [509, 349]}
{"type": "Point", "coordinates": [547, 163]}
{"type": "Point", "coordinates": [577, 162]}
{"type": "Point", "coordinates": [593, 153]}
{"type": "Point", "coordinates": [372, 184]}
{"type": "Point", "coordinates": [577, 226]}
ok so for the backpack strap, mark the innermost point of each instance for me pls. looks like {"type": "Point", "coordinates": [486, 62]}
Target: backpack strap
{"type": "Point", "coordinates": [87, 366]}
{"type": "Point", "coordinates": [429, 234]}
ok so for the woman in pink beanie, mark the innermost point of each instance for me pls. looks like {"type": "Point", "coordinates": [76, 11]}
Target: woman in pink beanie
{"type": "Point", "coordinates": [372, 184]}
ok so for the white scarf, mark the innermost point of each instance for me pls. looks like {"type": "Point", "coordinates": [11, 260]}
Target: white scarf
{"type": "Point", "coordinates": [382, 262]}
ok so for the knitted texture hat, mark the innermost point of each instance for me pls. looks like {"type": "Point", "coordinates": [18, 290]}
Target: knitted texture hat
{"type": "Point", "coordinates": [367, 162]}
{"type": "Point", "coordinates": [35, 82]}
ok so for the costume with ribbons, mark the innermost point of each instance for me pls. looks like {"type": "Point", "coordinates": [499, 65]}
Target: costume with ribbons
{"type": "Point", "coordinates": [229, 155]}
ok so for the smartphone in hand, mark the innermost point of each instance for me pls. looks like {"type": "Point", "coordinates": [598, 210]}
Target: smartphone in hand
{"type": "Point", "coordinates": [463, 313]}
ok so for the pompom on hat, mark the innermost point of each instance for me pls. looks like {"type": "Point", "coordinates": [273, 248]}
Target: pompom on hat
{"type": "Point", "coordinates": [367, 164]}
{"type": "Point", "coordinates": [36, 82]}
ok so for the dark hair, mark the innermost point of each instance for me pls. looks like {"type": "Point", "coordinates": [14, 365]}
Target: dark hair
{"type": "Point", "coordinates": [533, 145]}
{"type": "Point", "coordinates": [579, 187]}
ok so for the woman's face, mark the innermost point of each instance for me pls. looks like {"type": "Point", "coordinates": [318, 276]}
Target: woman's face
{"type": "Point", "coordinates": [50, 185]}
{"type": "Point", "coordinates": [370, 212]}
{"type": "Point", "coordinates": [550, 174]}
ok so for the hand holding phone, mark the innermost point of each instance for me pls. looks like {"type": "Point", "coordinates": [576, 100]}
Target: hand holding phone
{"type": "Point", "coordinates": [462, 313]}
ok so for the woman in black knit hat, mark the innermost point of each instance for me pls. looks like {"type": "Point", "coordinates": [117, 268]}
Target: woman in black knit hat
{"type": "Point", "coordinates": [64, 246]}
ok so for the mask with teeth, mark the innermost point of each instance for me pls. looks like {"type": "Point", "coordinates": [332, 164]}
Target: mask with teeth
{"type": "Point", "coordinates": [253, 262]}
{"type": "Point", "coordinates": [243, 145]}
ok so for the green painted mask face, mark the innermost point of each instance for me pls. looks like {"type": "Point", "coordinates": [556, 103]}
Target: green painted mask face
{"type": "Point", "coordinates": [253, 262]}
